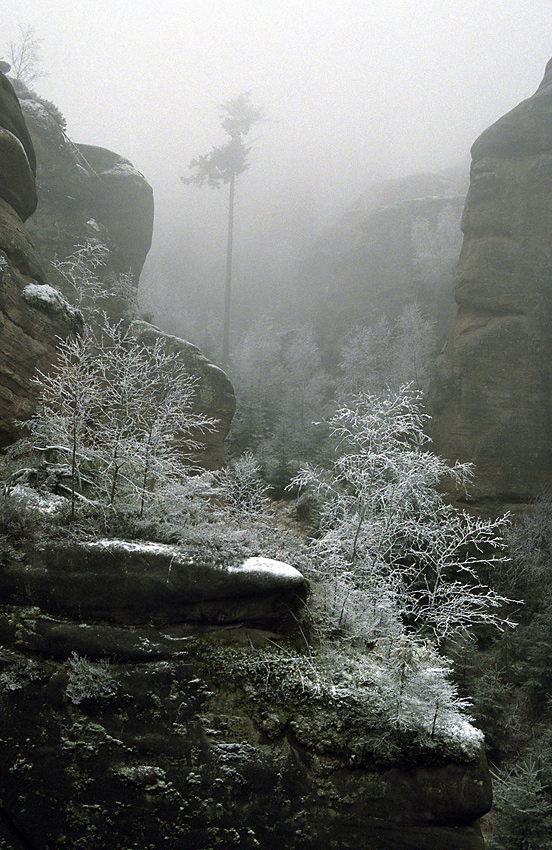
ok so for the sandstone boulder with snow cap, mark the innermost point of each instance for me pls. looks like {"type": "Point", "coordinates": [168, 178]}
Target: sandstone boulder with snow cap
{"type": "Point", "coordinates": [127, 582]}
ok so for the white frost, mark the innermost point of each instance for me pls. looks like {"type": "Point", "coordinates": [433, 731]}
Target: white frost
{"type": "Point", "coordinates": [45, 297]}
{"type": "Point", "coordinates": [268, 566]}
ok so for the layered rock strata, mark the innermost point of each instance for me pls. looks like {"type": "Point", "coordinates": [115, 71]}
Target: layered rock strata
{"type": "Point", "coordinates": [491, 398]}
{"type": "Point", "coordinates": [197, 738]}
{"type": "Point", "coordinates": [33, 315]}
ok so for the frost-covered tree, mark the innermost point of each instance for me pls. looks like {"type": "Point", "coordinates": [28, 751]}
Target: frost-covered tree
{"type": "Point", "coordinates": [79, 273]}
{"type": "Point", "coordinates": [365, 359]}
{"type": "Point", "coordinates": [122, 411]}
{"type": "Point", "coordinates": [412, 349]}
{"type": "Point", "coordinates": [69, 401]}
{"type": "Point", "coordinates": [388, 355]}
{"type": "Point", "coordinates": [523, 810]}
{"type": "Point", "coordinates": [389, 540]}
{"type": "Point", "coordinates": [24, 55]}
{"type": "Point", "coordinates": [242, 488]}
{"type": "Point", "coordinates": [256, 375]}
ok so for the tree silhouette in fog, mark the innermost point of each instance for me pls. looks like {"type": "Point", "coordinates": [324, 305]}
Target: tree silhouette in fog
{"type": "Point", "coordinates": [223, 165]}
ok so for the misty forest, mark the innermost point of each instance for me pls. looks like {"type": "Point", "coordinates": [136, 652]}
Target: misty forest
{"type": "Point", "coordinates": [275, 504]}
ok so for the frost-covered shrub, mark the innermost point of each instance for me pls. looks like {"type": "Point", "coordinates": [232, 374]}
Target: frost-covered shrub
{"type": "Point", "coordinates": [387, 533]}
{"type": "Point", "coordinates": [242, 488]}
{"type": "Point", "coordinates": [121, 412]}
{"type": "Point", "coordinates": [529, 540]}
{"type": "Point", "coordinates": [88, 680]}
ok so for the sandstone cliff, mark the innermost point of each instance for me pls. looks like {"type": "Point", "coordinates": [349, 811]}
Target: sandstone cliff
{"type": "Point", "coordinates": [397, 244]}
{"type": "Point", "coordinates": [154, 696]}
{"type": "Point", "coordinates": [492, 393]}
{"type": "Point", "coordinates": [86, 195]}
{"type": "Point", "coordinates": [32, 314]}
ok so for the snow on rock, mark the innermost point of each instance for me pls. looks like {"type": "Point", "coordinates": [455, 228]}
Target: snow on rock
{"type": "Point", "coordinates": [270, 571]}
{"type": "Point", "coordinates": [44, 297]}
{"type": "Point", "coordinates": [45, 506]}
{"type": "Point", "coordinates": [133, 582]}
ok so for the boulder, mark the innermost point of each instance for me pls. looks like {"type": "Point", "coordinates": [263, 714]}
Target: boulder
{"type": "Point", "coordinates": [122, 201]}
{"type": "Point", "coordinates": [85, 193]}
{"type": "Point", "coordinates": [17, 156]}
{"type": "Point", "coordinates": [491, 397]}
{"type": "Point", "coordinates": [214, 395]}
{"type": "Point", "coordinates": [122, 582]}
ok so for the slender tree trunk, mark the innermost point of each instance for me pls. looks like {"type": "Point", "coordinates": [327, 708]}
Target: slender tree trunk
{"type": "Point", "coordinates": [228, 287]}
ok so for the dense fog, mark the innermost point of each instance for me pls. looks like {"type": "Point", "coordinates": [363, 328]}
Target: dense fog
{"type": "Point", "coordinates": [355, 93]}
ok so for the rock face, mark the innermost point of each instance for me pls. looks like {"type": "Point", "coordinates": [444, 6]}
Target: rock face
{"type": "Point", "coordinates": [17, 156]}
{"type": "Point", "coordinates": [193, 740]}
{"type": "Point", "coordinates": [399, 242]}
{"type": "Point", "coordinates": [121, 582]}
{"type": "Point", "coordinates": [32, 314]}
{"type": "Point", "coordinates": [85, 193]}
{"type": "Point", "coordinates": [214, 395]}
{"type": "Point", "coordinates": [492, 393]}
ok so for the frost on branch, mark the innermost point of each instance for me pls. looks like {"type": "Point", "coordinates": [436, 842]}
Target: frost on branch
{"type": "Point", "coordinates": [391, 548]}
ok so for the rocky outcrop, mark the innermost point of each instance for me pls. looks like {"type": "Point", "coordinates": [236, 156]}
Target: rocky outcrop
{"type": "Point", "coordinates": [17, 156]}
{"type": "Point", "coordinates": [492, 393]}
{"type": "Point", "coordinates": [398, 243]}
{"type": "Point", "coordinates": [171, 693]}
{"type": "Point", "coordinates": [124, 582]}
{"type": "Point", "coordinates": [32, 314]}
{"type": "Point", "coordinates": [190, 738]}
{"type": "Point", "coordinates": [85, 193]}
{"type": "Point", "coordinates": [214, 395]}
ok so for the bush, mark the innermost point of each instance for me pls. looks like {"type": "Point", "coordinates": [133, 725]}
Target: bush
{"type": "Point", "coordinates": [522, 819]}
{"type": "Point", "coordinates": [88, 680]}
{"type": "Point", "coordinates": [242, 488]}
{"type": "Point", "coordinates": [387, 533]}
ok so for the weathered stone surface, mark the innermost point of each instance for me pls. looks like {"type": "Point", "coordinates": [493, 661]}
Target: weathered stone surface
{"type": "Point", "coordinates": [492, 393]}
{"type": "Point", "coordinates": [86, 193]}
{"type": "Point", "coordinates": [215, 747]}
{"type": "Point", "coordinates": [123, 582]}
{"type": "Point", "coordinates": [123, 202]}
{"type": "Point", "coordinates": [398, 243]}
{"type": "Point", "coordinates": [31, 322]}
{"type": "Point", "coordinates": [17, 156]}
{"type": "Point", "coordinates": [214, 397]}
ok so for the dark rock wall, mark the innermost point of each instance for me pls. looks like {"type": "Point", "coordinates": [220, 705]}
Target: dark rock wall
{"type": "Point", "coordinates": [29, 327]}
{"type": "Point", "coordinates": [197, 741]}
{"type": "Point", "coordinates": [491, 397]}
{"type": "Point", "coordinates": [86, 192]}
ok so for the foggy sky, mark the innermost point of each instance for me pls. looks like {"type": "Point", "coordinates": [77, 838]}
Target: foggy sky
{"type": "Point", "coordinates": [359, 89]}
